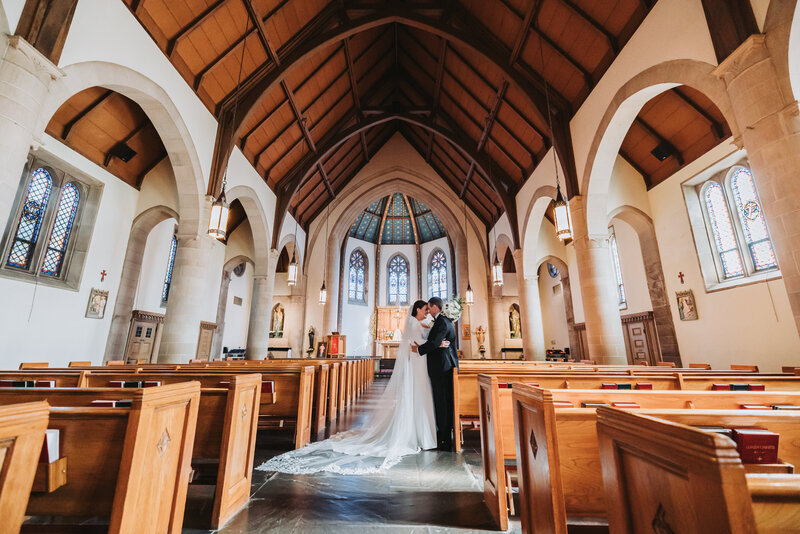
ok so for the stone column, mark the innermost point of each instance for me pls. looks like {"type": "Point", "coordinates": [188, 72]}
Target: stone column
{"type": "Point", "coordinates": [222, 306]}
{"type": "Point", "coordinates": [25, 77]}
{"type": "Point", "coordinates": [331, 313]}
{"type": "Point", "coordinates": [566, 292]}
{"type": "Point", "coordinates": [769, 120]}
{"type": "Point", "coordinates": [191, 275]}
{"type": "Point", "coordinates": [530, 311]}
{"type": "Point", "coordinates": [604, 338]}
{"type": "Point", "coordinates": [498, 322]}
{"type": "Point", "coordinates": [261, 310]}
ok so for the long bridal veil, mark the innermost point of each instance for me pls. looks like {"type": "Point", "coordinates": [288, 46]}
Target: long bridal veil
{"type": "Point", "coordinates": [389, 433]}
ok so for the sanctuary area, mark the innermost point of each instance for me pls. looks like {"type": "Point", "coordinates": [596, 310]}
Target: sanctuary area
{"type": "Point", "coordinates": [539, 259]}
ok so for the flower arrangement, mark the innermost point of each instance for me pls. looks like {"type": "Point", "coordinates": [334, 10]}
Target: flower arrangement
{"type": "Point", "coordinates": [453, 308]}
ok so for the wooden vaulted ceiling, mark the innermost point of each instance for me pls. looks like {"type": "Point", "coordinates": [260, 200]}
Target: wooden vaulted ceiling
{"type": "Point", "coordinates": [682, 124]}
{"type": "Point", "coordinates": [412, 62]}
{"type": "Point", "coordinates": [97, 122]}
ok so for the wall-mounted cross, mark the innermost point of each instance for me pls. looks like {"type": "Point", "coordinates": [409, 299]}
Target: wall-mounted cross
{"type": "Point", "coordinates": [681, 275]}
{"type": "Point", "coordinates": [103, 274]}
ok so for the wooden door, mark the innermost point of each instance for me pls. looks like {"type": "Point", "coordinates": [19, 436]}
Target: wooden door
{"type": "Point", "coordinates": [640, 342]}
{"type": "Point", "coordinates": [205, 340]}
{"type": "Point", "coordinates": [143, 336]}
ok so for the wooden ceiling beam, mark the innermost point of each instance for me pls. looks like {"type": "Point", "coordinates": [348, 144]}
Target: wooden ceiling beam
{"type": "Point", "coordinates": [522, 35]}
{"type": "Point", "coordinates": [150, 167]}
{"type": "Point", "coordinates": [587, 76]}
{"type": "Point", "coordinates": [661, 139]}
{"type": "Point", "coordinates": [716, 127]}
{"type": "Point", "coordinates": [193, 24]}
{"type": "Point", "coordinates": [612, 40]}
{"type": "Point", "coordinates": [489, 122]}
{"type": "Point", "coordinates": [83, 113]}
{"type": "Point", "coordinates": [354, 90]}
{"type": "Point", "coordinates": [437, 92]}
{"type": "Point", "coordinates": [263, 35]}
{"type": "Point", "coordinates": [638, 168]}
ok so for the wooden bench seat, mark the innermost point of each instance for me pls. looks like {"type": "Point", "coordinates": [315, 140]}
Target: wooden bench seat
{"type": "Point", "coordinates": [22, 430]}
{"type": "Point", "coordinates": [131, 465]}
{"type": "Point", "coordinates": [225, 433]}
{"type": "Point", "coordinates": [558, 455]}
{"type": "Point", "coordinates": [669, 477]}
{"type": "Point", "coordinates": [62, 379]}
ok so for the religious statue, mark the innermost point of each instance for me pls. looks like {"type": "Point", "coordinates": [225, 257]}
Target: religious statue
{"type": "Point", "coordinates": [480, 335]}
{"type": "Point", "coordinates": [311, 335]}
{"type": "Point", "coordinates": [514, 323]}
{"type": "Point", "coordinates": [277, 321]}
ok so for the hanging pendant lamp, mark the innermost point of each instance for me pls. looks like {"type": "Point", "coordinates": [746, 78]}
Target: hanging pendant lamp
{"type": "Point", "coordinates": [469, 296]}
{"type": "Point", "coordinates": [323, 291]}
{"type": "Point", "coordinates": [291, 277]}
{"type": "Point", "coordinates": [497, 266]}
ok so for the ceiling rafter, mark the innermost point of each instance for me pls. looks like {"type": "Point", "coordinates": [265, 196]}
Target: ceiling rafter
{"type": "Point", "coordinates": [84, 112]}
{"type": "Point", "coordinates": [612, 40]}
{"type": "Point", "coordinates": [716, 127]}
{"type": "Point", "coordinates": [661, 139]}
{"type": "Point", "coordinates": [487, 129]}
{"type": "Point", "coordinates": [530, 15]}
{"type": "Point", "coordinates": [354, 90]}
{"type": "Point", "coordinates": [638, 168]}
{"type": "Point", "coordinates": [192, 25]}
{"type": "Point", "coordinates": [437, 91]}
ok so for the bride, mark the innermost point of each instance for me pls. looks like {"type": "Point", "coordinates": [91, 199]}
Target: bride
{"type": "Point", "coordinates": [403, 424]}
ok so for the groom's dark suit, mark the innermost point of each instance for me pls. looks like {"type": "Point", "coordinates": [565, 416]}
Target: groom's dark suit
{"type": "Point", "coordinates": [441, 362]}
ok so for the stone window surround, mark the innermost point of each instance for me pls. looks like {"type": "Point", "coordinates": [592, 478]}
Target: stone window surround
{"type": "Point", "coordinates": [357, 302]}
{"type": "Point", "coordinates": [707, 257]}
{"type": "Point", "coordinates": [429, 263]}
{"type": "Point", "coordinates": [91, 191]}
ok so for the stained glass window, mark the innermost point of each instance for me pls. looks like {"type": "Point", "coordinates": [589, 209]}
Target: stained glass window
{"type": "Point", "coordinates": [398, 280]}
{"type": "Point", "coordinates": [358, 273]}
{"type": "Point", "coordinates": [438, 275]}
{"type": "Point", "coordinates": [62, 227]}
{"type": "Point", "coordinates": [30, 220]}
{"type": "Point", "coordinates": [722, 230]}
{"type": "Point", "coordinates": [170, 264]}
{"type": "Point", "coordinates": [617, 269]}
{"type": "Point", "coordinates": [748, 207]}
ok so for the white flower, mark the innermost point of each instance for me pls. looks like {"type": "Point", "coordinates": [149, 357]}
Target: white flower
{"type": "Point", "coordinates": [453, 309]}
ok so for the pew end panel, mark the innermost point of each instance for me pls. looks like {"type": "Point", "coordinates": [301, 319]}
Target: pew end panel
{"type": "Point", "coordinates": [776, 502]}
{"type": "Point", "coordinates": [492, 457]}
{"type": "Point", "coordinates": [22, 431]}
{"type": "Point", "coordinates": [670, 477]}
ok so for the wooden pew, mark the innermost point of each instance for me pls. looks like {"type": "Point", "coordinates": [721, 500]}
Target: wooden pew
{"type": "Point", "coordinates": [465, 385]}
{"type": "Point", "coordinates": [669, 477]}
{"type": "Point", "coordinates": [79, 364]}
{"type": "Point", "coordinates": [291, 401]}
{"type": "Point", "coordinates": [33, 365]}
{"type": "Point", "coordinates": [225, 434]}
{"type": "Point", "coordinates": [130, 464]}
{"type": "Point", "coordinates": [22, 429]}
{"type": "Point", "coordinates": [63, 379]}
{"type": "Point", "coordinates": [558, 455]}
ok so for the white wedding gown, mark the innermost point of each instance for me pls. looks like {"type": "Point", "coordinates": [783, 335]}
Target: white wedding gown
{"type": "Point", "coordinates": [403, 423]}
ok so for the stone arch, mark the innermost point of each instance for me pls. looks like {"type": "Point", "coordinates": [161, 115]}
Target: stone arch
{"type": "Point", "coordinates": [141, 227]}
{"type": "Point", "coordinates": [654, 273]}
{"type": "Point", "coordinates": [566, 292]}
{"type": "Point", "coordinates": [222, 303]}
{"type": "Point", "coordinates": [620, 114]}
{"type": "Point", "coordinates": [287, 239]}
{"type": "Point", "coordinates": [161, 111]}
{"type": "Point", "coordinates": [541, 199]}
{"type": "Point", "coordinates": [782, 29]}
{"type": "Point", "coordinates": [258, 225]}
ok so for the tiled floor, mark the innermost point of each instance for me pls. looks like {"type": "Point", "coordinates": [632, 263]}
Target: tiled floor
{"type": "Point", "coordinates": [429, 492]}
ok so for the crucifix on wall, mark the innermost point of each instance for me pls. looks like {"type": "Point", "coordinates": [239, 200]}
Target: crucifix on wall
{"type": "Point", "coordinates": [681, 275]}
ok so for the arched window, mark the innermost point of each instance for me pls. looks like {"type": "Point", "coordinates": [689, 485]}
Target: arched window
{"type": "Point", "coordinates": [356, 292]}
{"type": "Point", "coordinates": [62, 227]}
{"type": "Point", "coordinates": [30, 220]}
{"type": "Point", "coordinates": [438, 275]}
{"type": "Point", "coordinates": [722, 231]}
{"type": "Point", "coordinates": [170, 264]}
{"type": "Point", "coordinates": [754, 227]}
{"type": "Point", "coordinates": [617, 268]}
{"type": "Point", "coordinates": [398, 280]}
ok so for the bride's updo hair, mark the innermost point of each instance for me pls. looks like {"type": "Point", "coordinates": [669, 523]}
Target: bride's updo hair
{"type": "Point", "coordinates": [417, 305]}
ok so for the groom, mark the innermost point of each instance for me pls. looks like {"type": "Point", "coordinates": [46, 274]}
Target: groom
{"type": "Point", "coordinates": [441, 362]}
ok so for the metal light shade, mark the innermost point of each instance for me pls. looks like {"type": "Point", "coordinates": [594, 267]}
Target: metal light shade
{"type": "Point", "coordinates": [563, 222]}
{"type": "Point", "coordinates": [218, 224]}
{"type": "Point", "coordinates": [497, 272]}
{"type": "Point", "coordinates": [323, 294]}
{"type": "Point", "coordinates": [469, 296]}
{"type": "Point", "coordinates": [292, 274]}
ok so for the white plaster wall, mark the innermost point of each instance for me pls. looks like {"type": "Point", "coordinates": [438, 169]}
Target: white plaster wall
{"type": "Point", "coordinates": [240, 242]}
{"type": "Point", "coordinates": [154, 267]}
{"type": "Point", "coordinates": [426, 251]}
{"type": "Point", "coordinates": [40, 323]}
{"type": "Point", "coordinates": [627, 188]}
{"type": "Point", "coordinates": [356, 317]}
{"type": "Point", "coordinates": [158, 188]}
{"type": "Point", "coordinates": [634, 279]}
{"type": "Point", "coordinates": [554, 316]}
{"type": "Point", "coordinates": [13, 11]}
{"type": "Point", "coordinates": [510, 285]}
{"type": "Point", "coordinates": [387, 253]}
{"type": "Point", "coordinates": [237, 316]}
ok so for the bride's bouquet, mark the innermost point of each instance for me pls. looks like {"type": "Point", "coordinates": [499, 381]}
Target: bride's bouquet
{"type": "Point", "coordinates": [453, 308]}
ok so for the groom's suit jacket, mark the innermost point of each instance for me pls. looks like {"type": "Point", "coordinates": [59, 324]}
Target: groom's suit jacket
{"type": "Point", "coordinates": [440, 360]}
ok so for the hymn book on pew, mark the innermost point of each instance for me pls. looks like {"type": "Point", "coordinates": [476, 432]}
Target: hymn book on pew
{"type": "Point", "coordinates": [50, 449]}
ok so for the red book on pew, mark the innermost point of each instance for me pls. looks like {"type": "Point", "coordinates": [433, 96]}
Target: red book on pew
{"type": "Point", "coordinates": [267, 386]}
{"type": "Point", "coordinates": [50, 446]}
{"type": "Point", "coordinates": [625, 405]}
{"type": "Point", "coordinates": [757, 387]}
{"type": "Point", "coordinates": [45, 383]}
{"type": "Point", "coordinates": [644, 385]}
{"type": "Point", "coordinates": [122, 403]}
{"type": "Point", "coordinates": [504, 385]}
{"type": "Point", "coordinates": [754, 407]}
{"type": "Point", "coordinates": [720, 387]}
{"type": "Point", "coordinates": [16, 383]}
{"type": "Point", "coordinates": [608, 386]}
{"type": "Point", "coordinates": [116, 383]}
{"type": "Point", "coordinates": [151, 383]}
{"type": "Point", "coordinates": [756, 446]}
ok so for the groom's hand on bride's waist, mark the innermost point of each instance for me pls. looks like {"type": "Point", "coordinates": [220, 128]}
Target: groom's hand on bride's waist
{"type": "Point", "coordinates": [414, 348]}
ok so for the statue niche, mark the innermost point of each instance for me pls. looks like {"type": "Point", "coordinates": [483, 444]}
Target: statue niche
{"type": "Point", "coordinates": [514, 325]}
{"type": "Point", "coordinates": [278, 314]}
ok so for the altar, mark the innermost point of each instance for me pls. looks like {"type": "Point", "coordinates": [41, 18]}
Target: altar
{"type": "Point", "coordinates": [387, 348]}
{"type": "Point", "coordinates": [390, 321]}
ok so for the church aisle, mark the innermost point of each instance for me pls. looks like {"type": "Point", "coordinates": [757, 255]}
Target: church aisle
{"type": "Point", "coordinates": [426, 493]}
